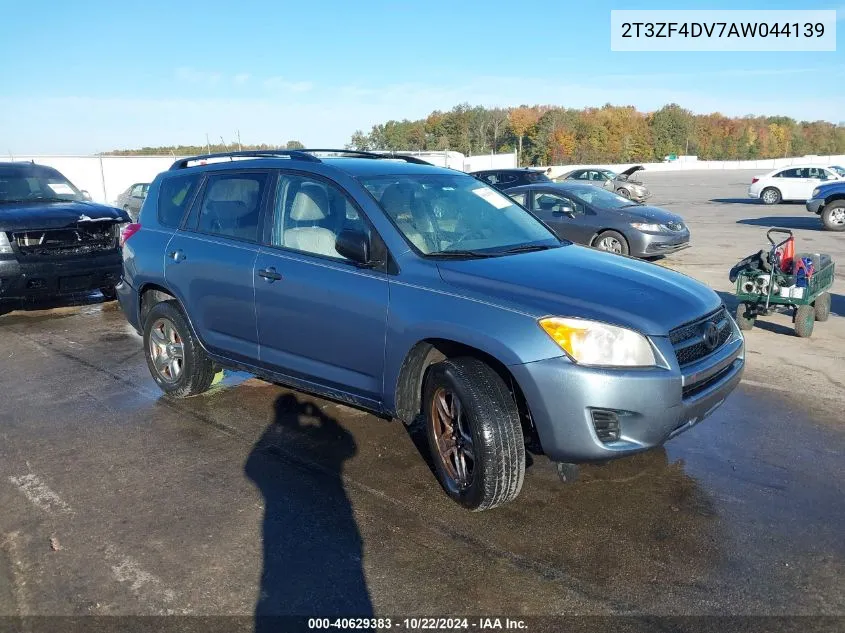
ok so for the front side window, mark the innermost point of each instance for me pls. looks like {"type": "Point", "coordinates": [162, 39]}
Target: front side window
{"type": "Point", "coordinates": [231, 205]}
{"type": "Point", "coordinates": [23, 185]}
{"type": "Point", "coordinates": [556, 203]}
{"type": "Point", "coordinates": [453, 213]}
{"type": "Point", "coordinates": [174, 196]}
{"type": "Point", "coordinates": [311, 213]}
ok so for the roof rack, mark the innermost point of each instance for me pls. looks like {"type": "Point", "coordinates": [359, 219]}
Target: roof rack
{"type": "Point", "coordinates": [298, 154]}
{"type": "Point", "coordinates": [182, 163]}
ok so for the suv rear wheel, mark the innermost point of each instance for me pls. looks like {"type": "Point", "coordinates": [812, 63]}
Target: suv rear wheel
{"type": "Point", "coordinates": [175, 358]}
{"type": "Point", "coordinates": [474, 433]}
{"type": "Point", "coordinates": [833, 216]}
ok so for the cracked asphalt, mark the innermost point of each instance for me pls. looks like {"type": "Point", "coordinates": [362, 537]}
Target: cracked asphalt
{"type": "Point", "coordinates": [254, 499]}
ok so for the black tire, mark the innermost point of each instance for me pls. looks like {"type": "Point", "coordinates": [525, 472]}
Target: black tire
{"type": "Point", "coordinates": [197, 370]}
{"type": "Point", "coordinates": [822, 306]}
{"type": "Point", "coordinates": [745, 317]}
{"type": "Point", "coordinates": [624, 193]}
{"type": "Point", "coordinates": [492, 418]}
{"type": "Point", "coordinates": [833, 216]}
{"type": "Point", "coordinates": [109, 293]}
{"type": "Point", "coordinates": [771, 195]}
{"type": "Point", "coordinates": [612, 235]}
{"type": "Point", "coordinates": [805, 318]}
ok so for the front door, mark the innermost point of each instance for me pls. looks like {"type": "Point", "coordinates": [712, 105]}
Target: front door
{"type": "Point", "coordinates": [321, 318]}
{"type": "Point", "coordinates": [210, 263]}
{"type": "Point", "coordinates": [568, 218]}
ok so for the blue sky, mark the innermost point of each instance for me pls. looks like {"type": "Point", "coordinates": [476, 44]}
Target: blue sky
{"type": "Point", "coordinates": [94, 75]}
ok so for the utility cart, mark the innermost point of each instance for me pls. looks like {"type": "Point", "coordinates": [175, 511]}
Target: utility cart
{"type": "Point", "coordinates": [777, 288]}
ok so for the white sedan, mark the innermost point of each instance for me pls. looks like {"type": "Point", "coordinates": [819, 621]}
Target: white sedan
{"type": "Point", "coordinates": [791, 183]}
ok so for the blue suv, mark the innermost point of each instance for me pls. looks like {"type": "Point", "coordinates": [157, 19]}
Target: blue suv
{"type": "Point", "coordinates": [421, 293]}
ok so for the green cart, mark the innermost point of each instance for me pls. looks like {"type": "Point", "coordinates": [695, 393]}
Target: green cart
{"type": "Point", "coordinates": [761, 292]}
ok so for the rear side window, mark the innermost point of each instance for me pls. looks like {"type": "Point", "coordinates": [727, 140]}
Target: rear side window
{"type": "Point", "coordinates": [231, 206]}
{"type": "Point", "coordinates": [175, 194]}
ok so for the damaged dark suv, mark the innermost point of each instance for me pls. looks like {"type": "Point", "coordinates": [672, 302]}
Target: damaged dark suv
{"type": "Point", "coordinates": [53, 239]}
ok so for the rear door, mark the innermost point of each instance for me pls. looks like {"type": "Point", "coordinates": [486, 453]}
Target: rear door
{"type": "Point", "coordinates": [210, 262]}
{"type": "Point", "coordinates": [321, 318]}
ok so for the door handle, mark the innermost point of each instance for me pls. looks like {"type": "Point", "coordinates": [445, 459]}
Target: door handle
{"type": "Point", "coordinates": [177, 256]}
{"type": "Point", "coordinates": [269, 274]}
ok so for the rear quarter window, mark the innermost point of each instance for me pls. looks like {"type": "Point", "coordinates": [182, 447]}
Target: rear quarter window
{"type": "Point", "coordinates": [174, 197]}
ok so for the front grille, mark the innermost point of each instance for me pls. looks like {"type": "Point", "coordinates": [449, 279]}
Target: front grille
{"type": "Point", "coordinates": [67, 242]}
{"type": "Point", "coordinates": [689, 339]}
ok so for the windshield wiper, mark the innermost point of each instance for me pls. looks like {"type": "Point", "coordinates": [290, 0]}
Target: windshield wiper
{"type": "Point", "coordinates": [460, 254]}
{"type": "Point", "coordinates": [527, 248]}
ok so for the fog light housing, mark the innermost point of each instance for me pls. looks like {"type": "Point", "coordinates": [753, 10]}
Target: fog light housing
{"type": "Point", "coordinates": [606, 425]}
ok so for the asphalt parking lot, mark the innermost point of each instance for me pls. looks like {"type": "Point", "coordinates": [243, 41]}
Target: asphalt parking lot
{"type": "Point", "coordinates": [255, 499]}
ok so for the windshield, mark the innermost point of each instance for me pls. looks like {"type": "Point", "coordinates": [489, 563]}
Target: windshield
{"type": "Point", "coordinates": [441, 214]}
{"type": "Point", "coordinates": [536, 176]}
{"type": "Point", "coordinates": [839, 170]}
{"type": "Point", "coordinates": [601, 198]}
{"type": "Point", "coordinates": [22, 185]}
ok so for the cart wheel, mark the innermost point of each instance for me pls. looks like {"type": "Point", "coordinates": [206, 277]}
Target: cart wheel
{"type": "Point", "coordinates": [805, 318]}
{"type": "Point", "coordinates": [822, 306]}
{"type": "Point", "coordinates": [745, 316]}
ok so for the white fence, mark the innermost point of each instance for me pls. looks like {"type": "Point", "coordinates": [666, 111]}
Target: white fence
{"type": "Point", "coordinates": [106, 177]}
{"type": "Point", "coordinates": [684, 165]}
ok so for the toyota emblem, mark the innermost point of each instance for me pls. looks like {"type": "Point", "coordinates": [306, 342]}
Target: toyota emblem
{"type": "Point", "coordinates": [711, 336]}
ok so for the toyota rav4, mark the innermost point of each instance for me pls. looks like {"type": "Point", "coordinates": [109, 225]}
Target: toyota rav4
{"type": "Point", "coordinates": [421, 293]}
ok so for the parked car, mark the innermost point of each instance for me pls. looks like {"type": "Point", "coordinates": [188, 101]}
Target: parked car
{"type": "Point", "coordinates": [790, 183]}
{"type": "Point", "coordinates": [591, 216]}
{"type": "Point", "coordinates": [132, 198]}
{"type": "Point", "coordinates": [337, 277]}
{"type": "Point", "coordinates": [623, 183]}
{"type": "Point", "coordinates": [54, 241]}
{"type": "Point", "coordinates": [504, 178]}
{"type": "Point", "coordinates": [828, 202]}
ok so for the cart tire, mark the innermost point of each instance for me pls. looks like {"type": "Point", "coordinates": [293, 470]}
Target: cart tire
{"type": "Point", "coordinates": [805, 318]}
{"type": "Point", "coordinates": [833, 216]}
{"type": "Point", "coordinates": [822, 306]}
{"type": "Point", "coordinates": [745, 316]}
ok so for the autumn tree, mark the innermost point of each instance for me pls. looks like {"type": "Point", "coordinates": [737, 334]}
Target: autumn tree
{"type": "Point", "coordinates": [521, 119]}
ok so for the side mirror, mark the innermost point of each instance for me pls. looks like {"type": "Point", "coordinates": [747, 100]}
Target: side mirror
{"type": "Point", "coordinates": [354, 246]}
{"type": "Point", "coordinates": [85, 194]}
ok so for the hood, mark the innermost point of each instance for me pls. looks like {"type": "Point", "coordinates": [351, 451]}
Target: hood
{"type": "Point", "coordinates": [630, 171]}
{"type": "Point", "coordinates": [650, 214]}
{"type": "Point", "coordinates": [37, 214]}
{"type": "Point", "coordinates": [582, 282]}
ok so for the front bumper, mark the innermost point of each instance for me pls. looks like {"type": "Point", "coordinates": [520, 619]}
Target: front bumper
{"type": "Point", "coordinates": [21, 280]}
{"type": "Point", "coordinates": [815, 205]}
{"type": "Point", "coordinates": [653, 405]}
{"type": "Point", "coordinates": [650, 244]}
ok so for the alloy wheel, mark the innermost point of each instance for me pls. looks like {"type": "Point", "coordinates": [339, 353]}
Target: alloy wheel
{"type": "Point", "coordinates": [167, 350]}
{"type": "Point", "coordinates": [837, 216]}
{"type": "Point", "coordinates": [453, 438]}
{"type": "Point", "coordinates": [610, 244]}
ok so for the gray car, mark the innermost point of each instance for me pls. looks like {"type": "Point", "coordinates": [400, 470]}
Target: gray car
{"type": "Point", "coordinates": [132, 199]}
{"type": "Point", "coordinates": [588, 215]}
{"type": "Point", "coordinates": [624, 184]}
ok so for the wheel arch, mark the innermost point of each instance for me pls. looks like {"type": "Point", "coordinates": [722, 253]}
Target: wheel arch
{"type": "Point", "coordinates": [604, 230]}
{"type": "Point", "coordinates": [834, 197]}
{"type": "Point", "coordinates": [150, 294]}
{"type": "Point", "coordinates": [429, 351]}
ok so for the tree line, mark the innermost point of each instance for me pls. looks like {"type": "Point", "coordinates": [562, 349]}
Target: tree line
{"type": "Point", "coordinates": [196, 150]}
{"type": "Point", "coordinates": [611, 134]}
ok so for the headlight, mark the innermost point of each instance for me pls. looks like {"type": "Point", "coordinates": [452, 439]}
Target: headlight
{"type": "Point", "coordinates": [599, 344]}
{"type": "Point", "coordinates": [815, 192]}
{"type": "Point", "coordinates": [5, 247]}
{"type": "Point", "coordinates": [650, 228]}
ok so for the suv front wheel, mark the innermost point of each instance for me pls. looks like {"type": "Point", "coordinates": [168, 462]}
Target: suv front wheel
{"type": "Point", "coordinates": [175, 358]}
{"type": "Point", "coordinates": [474, 433]}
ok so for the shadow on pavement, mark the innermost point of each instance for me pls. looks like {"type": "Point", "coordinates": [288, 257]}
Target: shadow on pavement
{"type": "Point", "coordinates": [735, 200]}
{"type": "Point", "coordinates": [312, 546]}
{"type": "Point", "coordinates": [50, 303]}
{"type": "Point", "coordinates": [810, 223]}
